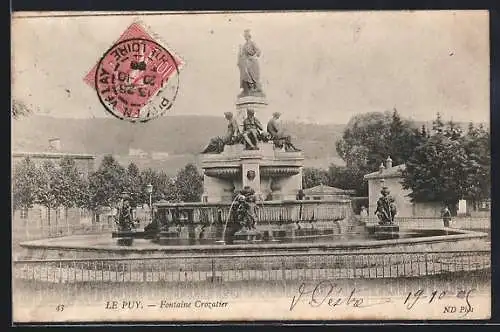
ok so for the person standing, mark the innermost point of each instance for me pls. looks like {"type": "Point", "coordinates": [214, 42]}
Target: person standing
{"type": "Point", "coordinates": [446, 216]}
{"type": "Point", "coordinates": [364, 212]}
{"type": "Point", "coordinates": [300, 196]}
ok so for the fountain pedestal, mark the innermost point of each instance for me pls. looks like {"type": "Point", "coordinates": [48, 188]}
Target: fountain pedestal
{"type": "Point", "coordinates": [247, 235]}
{"type": "Point", "coordinates": [166, 236]}
{"type": "Point", "coordinates": [389, 231]}
{"type": "Point", "coordinates": [124, 237]}
{"type": "Point", "coordinates": [269, 171]}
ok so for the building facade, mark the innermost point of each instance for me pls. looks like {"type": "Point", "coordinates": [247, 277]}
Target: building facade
{"type": "Point", "coordinates": [38, 216]}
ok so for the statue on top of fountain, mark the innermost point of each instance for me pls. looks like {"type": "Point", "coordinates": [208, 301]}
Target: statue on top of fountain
{"type": "Point", "coordinates": [249, 68]}
{"type": "Point", "coordinates": [386, 208]}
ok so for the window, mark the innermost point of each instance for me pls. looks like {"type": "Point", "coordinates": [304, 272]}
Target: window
{"type": "Point", "coordinates": [24, 213]}
{"type": "Point", "coordinates": [317, 198]}
{"type": "Point", "coordinates": [484, 205]}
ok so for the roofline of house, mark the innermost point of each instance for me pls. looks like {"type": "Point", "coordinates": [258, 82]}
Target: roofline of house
{"type": "Point", "coordinates": [54, 155]}
{"type": "Point", "coordinates": [381, 176]}
{"type": "Point", "coordinates": [393, 172]}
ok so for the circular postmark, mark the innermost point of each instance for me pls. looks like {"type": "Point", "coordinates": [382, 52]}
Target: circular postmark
{"type": "Point", "coordinates": [132, 80]}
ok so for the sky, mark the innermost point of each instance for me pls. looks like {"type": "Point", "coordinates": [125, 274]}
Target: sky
{"type": "Point", "coordinates": [321, 67]}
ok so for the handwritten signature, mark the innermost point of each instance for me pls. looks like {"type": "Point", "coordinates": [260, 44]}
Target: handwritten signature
{"type": "Point", "coordinates": [329, 293]}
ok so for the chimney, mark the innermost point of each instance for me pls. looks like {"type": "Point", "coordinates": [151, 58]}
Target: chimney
{"type": "Point", "coordinates": [55, 144]}
{"type": "Point", "coordinates": [388, 162]}
{"type": "Point", "coordinates": [381, 168]}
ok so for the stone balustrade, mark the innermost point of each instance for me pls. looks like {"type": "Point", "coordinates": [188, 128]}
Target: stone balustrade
{"type": "Point", "coordinates": [273, 212]}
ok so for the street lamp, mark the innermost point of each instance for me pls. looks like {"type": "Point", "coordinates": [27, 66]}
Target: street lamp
{"type": "Point", "coordinates": [149, 190]}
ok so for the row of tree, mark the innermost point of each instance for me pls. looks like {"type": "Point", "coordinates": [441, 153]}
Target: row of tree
{"type": "Point", "coordinates": [444, 163]}
{"type": "Point", "coordinates": [55, 185]}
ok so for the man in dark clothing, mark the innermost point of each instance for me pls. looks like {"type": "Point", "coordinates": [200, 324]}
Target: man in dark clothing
{"type": "Point", "coordinates": [446, 217]}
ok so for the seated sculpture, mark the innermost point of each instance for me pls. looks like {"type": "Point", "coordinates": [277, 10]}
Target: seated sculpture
{"type": "Point", "coordinates": [232, 136]}
{"type": "Point", "coordinates": [276, 134]}
{"type": "Point", "coordinates": [386, 208]}
{"type": "Point", "coordinates": [253, 132]}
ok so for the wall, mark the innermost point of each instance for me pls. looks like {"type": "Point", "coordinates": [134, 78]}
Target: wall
{"type": "Point", "coordinates": [84, 165]}
{"type": "Point", "coordinates": [290, 186]}
{"type": "Point", "coordinates": [427, 209]}
{"type": "Point", "coordinates": [216, 189]}
{"type": "Point", "coordinates": [38, 217]}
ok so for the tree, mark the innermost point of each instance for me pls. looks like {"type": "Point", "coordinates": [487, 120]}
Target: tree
{"type": "Point", "coordinates": [477, 144]}
{"type": "Point", "coordinates": [347, 178]}
{"type": "Point", "coordinates": [107, 184]}
{"type": "Point", "coordinates": [27, 181]}
{"type": "Point", "coordinates": [370, 138]}
{"type": "Point", "coordinates": [403, 138]}
{"type": "Point", "coordinates": [86, 200]}
{"type": "Point", "coordinates": [19, 109]}
{"type": "Point", "coordinates": [69, 184]}
{"type": "Point", "coordinates": [312, 177]}
{"type": "Point", "coordinates": [133, 184]}
{"type": "Point", "coordinates": [362, 137]}
{"type": "Point", "coordinates": [448, 166]}
{"type": "Point", "coordinates": [49, 195]}
{"type": "Point", "coordinates": [159, 181]}
{"type": "Point", "coordinates": [189, 184]}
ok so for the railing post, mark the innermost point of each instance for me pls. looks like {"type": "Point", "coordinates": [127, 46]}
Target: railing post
{"type": "Point", "coordinates": [213, 271]}
{"type": "Point", "coordinates": [426, 262]}
{"type": "Point", "coordinates": [283, 274]}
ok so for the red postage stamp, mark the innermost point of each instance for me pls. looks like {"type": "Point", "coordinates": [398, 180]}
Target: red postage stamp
{"type": "Point", "coordinates": [137, 78]}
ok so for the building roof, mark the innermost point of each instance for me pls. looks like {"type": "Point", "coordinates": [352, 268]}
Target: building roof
{"type": "Point", "coordinates": [326, 190]}
{"type": "Point", "coordinates": [393, 172]}
{"type": "Point", "coordinates": [53, 155]}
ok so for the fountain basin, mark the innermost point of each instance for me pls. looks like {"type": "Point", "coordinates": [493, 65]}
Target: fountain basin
{"type": "Point", "coordinates": [103, 246]}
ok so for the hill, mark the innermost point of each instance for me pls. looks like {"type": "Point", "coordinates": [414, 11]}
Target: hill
{"type": "Point", "coordinates": [181, 137]}
{"type": "Point", "coordinates": [178, 139]}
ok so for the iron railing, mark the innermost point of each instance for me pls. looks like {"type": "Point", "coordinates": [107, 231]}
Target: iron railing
{"type": "Point", "coordinates": [266, 267]}
{"type": "Point", "coordinates": [389, 272]}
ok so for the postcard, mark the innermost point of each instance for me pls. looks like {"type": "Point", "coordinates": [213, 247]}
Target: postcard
{"type": "Point", "coordinates": [250, 166]}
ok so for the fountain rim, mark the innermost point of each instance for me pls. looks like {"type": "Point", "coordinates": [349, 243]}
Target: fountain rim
{"type": "Point", "coordinates": [228, 203]}
{"type": "Point", "coordinates": [208, 248]}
